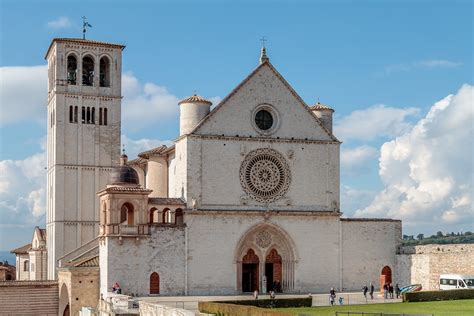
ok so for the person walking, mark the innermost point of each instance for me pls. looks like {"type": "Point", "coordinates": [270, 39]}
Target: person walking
{"type": "Point", "coordinates": [390, 290]}
{"type": "Point", "coordinates": [365, 289]}
{"type": "Point", "coordinates": [255, 294]}
{"type": "Point", "coordinates": [385, 291]}
{"type": "Point", "coordinates": [371, 291]}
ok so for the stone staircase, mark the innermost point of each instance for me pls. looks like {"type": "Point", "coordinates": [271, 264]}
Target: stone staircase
{"type": "Point", "coordinates": [29, 298]}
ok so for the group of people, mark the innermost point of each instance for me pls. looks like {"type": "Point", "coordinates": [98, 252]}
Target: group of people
{"type": "Point", "coordinates": [366, 289]}
{"type": "Point", "coordinates": [388, 290]}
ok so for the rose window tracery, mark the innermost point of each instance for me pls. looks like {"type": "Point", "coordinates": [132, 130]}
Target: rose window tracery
{"type": "Point", "coordinates": [263, 239]}
{"type": "Point", "coordinates": [265, 175]}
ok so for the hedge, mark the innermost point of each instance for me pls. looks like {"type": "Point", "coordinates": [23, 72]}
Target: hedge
{"type": "Point", "coordinates": [426, 296]}
{"type": "Point", "coordinates": [253, 307]}
{"type": "Point", "coordinates": [224, 309]}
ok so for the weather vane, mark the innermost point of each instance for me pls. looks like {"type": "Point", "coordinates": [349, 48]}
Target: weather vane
{"type": "Point", "coordinates": [263, 40]}
{"type": "Point", "coordinates": [85, 25]}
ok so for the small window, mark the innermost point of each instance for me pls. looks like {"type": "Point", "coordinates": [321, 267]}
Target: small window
{"type": "Point", "coordinates": [75, 114]}
{"type": "Point", "coordinates": [100, 116]}
{"type": "Point", "coordinates": [71, 114]}
{"type": "Point", "coordinates": [264, 120]}
{"type": "Point", "coordinates": [93, 116]}
{"type": "Point", "coordinates": [83, 116]}
{"type": "Point", "coordinates": [88, 115]}
{"type": "Point", "coordinates": [26, 265]}
{"type": "Point", "coordinates": [71, 70]}
{"type": "Point", "coordinates": [105, 116]}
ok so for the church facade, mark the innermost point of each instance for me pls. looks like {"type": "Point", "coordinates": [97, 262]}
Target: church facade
{"type": "Point", "coordinates": [246, 199]}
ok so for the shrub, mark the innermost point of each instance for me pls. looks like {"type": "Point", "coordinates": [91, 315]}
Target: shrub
{"type": "Point", "coordinates": [224, 309]}
{"type": "Point", "coordinates": [426, 296]}
{"type": "Point", "coordinates": [253, 307]}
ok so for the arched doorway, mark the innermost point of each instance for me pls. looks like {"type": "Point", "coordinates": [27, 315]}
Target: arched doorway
{"type": "Point", "coordinates": [279, 257]}
{"type": "Point", "coordinates": [250, 263]}
{"type": "Point", "coordinates": [153, 215]}
{"type": "Point", "coordinates": [273, 270]}
{"type": "Point", "coordinates": [385, 277]}
{"type": "Point", "coordinates": [64, 308]}
{"type": "Point", "coordinates": [154, 283]}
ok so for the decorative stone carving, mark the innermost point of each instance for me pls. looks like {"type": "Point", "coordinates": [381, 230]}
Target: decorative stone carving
{"type": "Point", "coordinates": [263, 239]}
{"type": "Point", "coordinates": [265, 175]}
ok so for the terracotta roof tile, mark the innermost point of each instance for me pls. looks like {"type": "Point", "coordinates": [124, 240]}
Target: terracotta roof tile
{"type": "Point", "coordinates": [195, 98]}
{"type": "Point", "coordinates": [88, 262]}
{"type": "Point", "coordinates": [22, 249]}
{"type": "Point", "coordinates": [166, 201]}
{"type": "Point", "coordinates": [152, 152]}
{"type": "Point", "coordinates": [321, 107]}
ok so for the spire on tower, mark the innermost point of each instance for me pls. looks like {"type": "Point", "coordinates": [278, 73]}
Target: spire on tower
{"type": "Point", "coordinates": [85, 25]}
{"type": "Point", "coordinates": [263, 51]}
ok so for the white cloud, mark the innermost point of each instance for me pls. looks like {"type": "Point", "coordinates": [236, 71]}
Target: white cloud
{"type": "Point", "coordinates": [375, 121]}
{"type": "Point", "coordinates": [353, 199]}
{"type": "Point", "coordinates": [428, 172]}
{"type": "Point", "coordinates": [23, 190]}
{"type": "Point", "coordinates": [146, 104]}
{"type": "Point", "coordinates": [23, 94]}
{"type": "Point", "coordinates": [423, 64]}
{"type": "Point", "coordinates": [60, 23]}
{"type": "Point", "coordinates": [134, 147]}
{"type": "Point", "coordinates": [357, 158]}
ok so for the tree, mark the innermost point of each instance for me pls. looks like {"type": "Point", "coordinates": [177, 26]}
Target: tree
{"type": "Point", "coordinates": [468, 233]}
{"type": "Point", "coordinates": [405, 237]}
{"type": "Point", "coordinates": [420, 236]}
{"type": "Point", "coordinates": [439, 234]}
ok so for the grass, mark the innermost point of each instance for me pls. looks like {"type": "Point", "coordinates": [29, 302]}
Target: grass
{"type": "Point", "coordinates": [439, 308]}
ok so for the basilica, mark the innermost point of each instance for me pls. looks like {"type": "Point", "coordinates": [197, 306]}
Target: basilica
{"type": "Point", "coordinates": [247, 197]}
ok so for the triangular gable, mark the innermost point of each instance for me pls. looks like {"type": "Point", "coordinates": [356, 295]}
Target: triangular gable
{"type": "Point", "coordinates": [300, 101]}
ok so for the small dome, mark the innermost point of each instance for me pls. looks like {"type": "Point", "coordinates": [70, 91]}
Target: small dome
{"type": "Point", "coordinates": [321, 107]}
{"type": "Point", "coordinates": [195, 99]}
{"type": "Point", "coordinates": [123, 175]}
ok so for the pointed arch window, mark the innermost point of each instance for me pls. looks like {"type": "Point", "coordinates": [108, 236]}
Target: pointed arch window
{"type": "Point", "coordinates": [104, 75]}
{"type": "Point", "coordinates": [26, 265]}
{"type": "Point", "coordinates": [87, 71]}
{"type": "Point", "coordinates": [71, 69]}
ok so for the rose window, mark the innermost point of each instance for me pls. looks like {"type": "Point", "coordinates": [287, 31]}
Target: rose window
{"type": "Point", "coordinates": [265, 175]}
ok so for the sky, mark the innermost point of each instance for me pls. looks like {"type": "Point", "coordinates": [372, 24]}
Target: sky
{"type": "Point", "coordinates": [399, 75]}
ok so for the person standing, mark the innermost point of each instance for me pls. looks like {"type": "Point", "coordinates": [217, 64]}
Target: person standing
{"type": "Point", "coordinates": [385, 290]}
{"type": "Point", "coordinates": [255, 294]}
{"type": "Point", "coordinates": [397, 290]}
{"type": "Point", "coordinates": [371, 291]}
{"type": "Point", "coordinates": [365, 289]}
{"type": "Point", "coordinates": [332, 296]}
{"type": "Point", "coordinates": [390, 290]}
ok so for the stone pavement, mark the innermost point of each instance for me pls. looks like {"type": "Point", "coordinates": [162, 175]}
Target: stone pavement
{"type": "Point", "coordinates": [191, 302]}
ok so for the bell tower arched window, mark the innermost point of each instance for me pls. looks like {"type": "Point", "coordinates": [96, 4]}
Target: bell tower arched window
{"type": "Point", "coordinates": [71, 69]}
{"type": "Point", "coordinates": [87, 71]}
{"type": "Point", "coordinates": [104, 75]}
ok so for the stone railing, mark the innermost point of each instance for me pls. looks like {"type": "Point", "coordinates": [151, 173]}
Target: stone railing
{"type": "Point", "coordinates": [154, 309]}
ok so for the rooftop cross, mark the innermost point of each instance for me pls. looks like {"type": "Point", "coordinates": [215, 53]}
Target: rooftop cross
{"type": "Point", "coordinates": [85, 25]}
{"type": "Point", "coordinates": [263, 40]}
{"type": "Point", "coordinates": [263, 52]}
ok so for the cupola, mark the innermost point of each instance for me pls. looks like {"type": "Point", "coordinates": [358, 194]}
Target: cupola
{"type": "Point", "coordinates": [192, 110]}
{"type": "Point", "coordinates": [324, 114]}
{"type": "Point", "coordinates": [123, 174]}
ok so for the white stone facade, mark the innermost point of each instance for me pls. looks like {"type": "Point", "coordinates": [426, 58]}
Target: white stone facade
{"type": "Point", "coordinates": [256, 203]}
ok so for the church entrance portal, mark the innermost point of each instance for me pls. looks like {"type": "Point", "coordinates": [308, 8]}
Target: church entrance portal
{"type": "Point", "coordinates": [273, 271]}
{"type": "Point", "coordinates": [250, 264]}
{"type": "Point", "coordinates": [385, 277]}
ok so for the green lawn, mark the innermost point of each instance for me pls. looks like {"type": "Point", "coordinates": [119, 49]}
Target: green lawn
{"type": "Point", "coordinates": [451, 308]}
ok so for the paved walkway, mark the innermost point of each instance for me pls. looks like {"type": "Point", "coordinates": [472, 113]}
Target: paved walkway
{"type": "Point", "coordinates": [191, 302]}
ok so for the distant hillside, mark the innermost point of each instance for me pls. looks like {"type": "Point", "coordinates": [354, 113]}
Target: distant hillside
{"type": "Point", "coordinates": [6, 255]}
{"type": "Point", "coordinates": [439, 238]}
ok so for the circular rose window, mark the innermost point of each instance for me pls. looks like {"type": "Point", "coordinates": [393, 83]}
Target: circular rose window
{"type": "Point", "coordinates": [265, 175]}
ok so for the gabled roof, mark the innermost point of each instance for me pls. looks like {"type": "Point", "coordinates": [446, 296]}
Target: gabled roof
{"type": "Point", "coordinates": [253, 73]}
{"type": "Point", "coordinates": [152, 152]}
{"type": "Point", "coordinates": [22, 250]}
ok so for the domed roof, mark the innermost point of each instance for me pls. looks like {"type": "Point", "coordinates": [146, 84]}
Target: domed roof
{"type": "Point", "coordinates": [195, 99]}
{"type": "Point", "coordinates": [321, 107]}
{"type": "Point", "coordinates": [123, 174]}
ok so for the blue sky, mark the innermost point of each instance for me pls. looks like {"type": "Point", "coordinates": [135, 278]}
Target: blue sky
{"type": "Point", "coordinates": [389, 61]}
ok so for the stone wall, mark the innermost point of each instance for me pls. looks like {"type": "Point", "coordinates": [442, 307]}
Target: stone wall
{"type": "Point", "coordinates": [29, 298]}
{"type": "Point", "coordinates": [423, 264]}
{"type": "Point", "coordinates": [81, 285]}
{"type": "Point", "coordinates": [132, 260]}
{"type": "Point", "coordinates": [153, 309]}
{"type": "Point", "coordinates": [368, 246]}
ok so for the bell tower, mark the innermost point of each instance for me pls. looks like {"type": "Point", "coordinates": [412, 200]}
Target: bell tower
{"type": "Point", "coordinates": [84, 109]}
